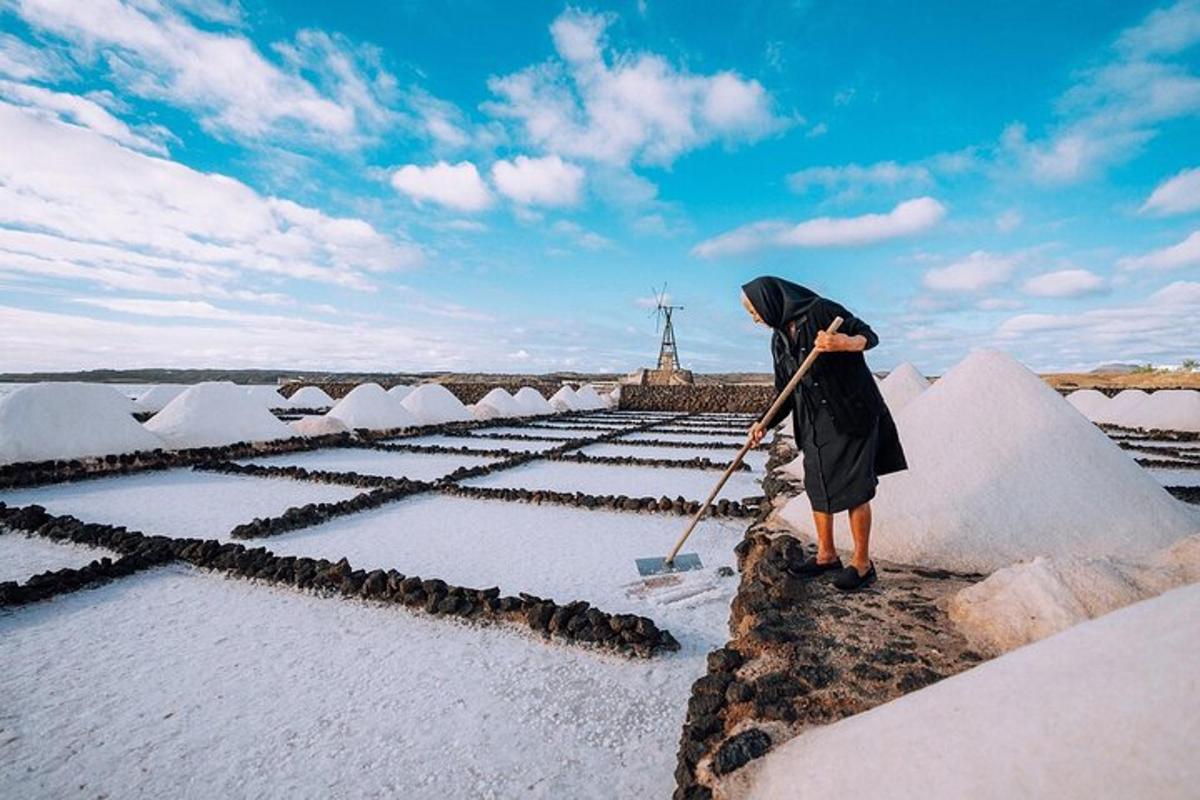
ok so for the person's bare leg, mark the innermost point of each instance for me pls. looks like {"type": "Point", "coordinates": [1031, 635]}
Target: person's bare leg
{"type": "Point", "coordinates": [860, 529]}
{"type": "Point", "coordinates": [824, 525]}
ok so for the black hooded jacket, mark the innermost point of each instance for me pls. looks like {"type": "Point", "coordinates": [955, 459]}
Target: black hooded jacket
{"type": "Point", "coordinates": [840, 381]}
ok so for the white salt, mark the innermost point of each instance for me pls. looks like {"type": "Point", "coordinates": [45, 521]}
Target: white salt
{"type": "Point", "coordinates": [902, 385]}
{"type": "Point", "coordinates": [589, 398]}
{"type": "Point", "coordinates": [311, 397]}
{"type": "Point", "coordinates": [214, 414]}
{"type": "Point", "coordinates": [318, 425]}
{"type": "Point", "coordinates": [155, 398]}
{"type": "Point", "coordinates": [1166, 409]}
{"type": "Point", "coordinates": [497, 404]}
{"type": "Point", "coordinates": [1002, 469]}
{"type": "Point", "coordinates": [532, 403]}
{"type": "Point", "coordinates": [432, 403]}
{"type": "Point", "coordinates": [400, 391]}
{"type": "Point", "coordinates": [45, 421]}
{"type": "Point", "coordinates": [1089, 402]}
{"type": "Point", "coordinates": [565, 400]}
{"type": "Point", "coordinates": [1121, 404]}
{"type": "Point", "coordinates": [369, 406]}
{"type": "Point", "coordinates": [269, 396]}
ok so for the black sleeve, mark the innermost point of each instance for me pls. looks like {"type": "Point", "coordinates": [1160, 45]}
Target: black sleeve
{"type": "Point", "coordinates": [852, 325]}
{"type": "Point", "coordinates": [781, 381]}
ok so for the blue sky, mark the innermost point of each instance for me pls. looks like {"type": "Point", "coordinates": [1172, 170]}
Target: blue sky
{"type": "Point", "coordinates": [483, 186]}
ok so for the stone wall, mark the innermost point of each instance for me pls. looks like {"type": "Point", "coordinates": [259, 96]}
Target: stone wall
{"type": "Point", "coordinates": [739, 398]}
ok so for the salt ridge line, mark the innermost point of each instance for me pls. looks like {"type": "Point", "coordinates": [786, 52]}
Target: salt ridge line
{"type": "Point", "coordinates": [575, 622]}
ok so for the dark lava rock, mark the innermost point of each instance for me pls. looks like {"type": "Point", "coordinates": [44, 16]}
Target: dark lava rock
{"type": "Point", "coordinates": [918, 678]}
{"type": "Point", "coordinates": [724, 659]}
{"type": "Point", "coordinates": [739, 750]}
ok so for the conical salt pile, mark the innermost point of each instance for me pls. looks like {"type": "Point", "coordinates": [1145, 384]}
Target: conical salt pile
{"type": "Point", "coordinates": [613, 399]}
{"type": "Point", "coordinates": [532, 403]}
{"type": "Point", "coordinates": [433, 404]}
{"type": "Point", "coordinates": [1089, 402]}
{"type": "Point", "coordinates": [1002, 469]}
{"type": "Point", "coordinates": [318, 425]}
{"type": "Point", "coordinates": [46, 421]}
{"type": "Point", "coordinates": [400, 391]}
{"type": "Point", "coordinates": [369, 406]}
{"type": "Point", "coordinates": [1166, 409]}
{"type": "Point", "coordinates": [901, 386]}
{"type": "Point", "coordinates": [269, 396]}
{"type": "Point", "coordinates": [1121, 405]}
{"type": "Point", "coordinates": [589, 397]}
{"type": "Point", "coordinates": [565, 400]}
{"type": "Point", "coordinates": [497, 404]}
{"type": "Point", "coordinates": [311, 397]}
{"type": "Point", "coordinates": [214, 414]}
{"type": "Point", "coordinates": [155, 398]}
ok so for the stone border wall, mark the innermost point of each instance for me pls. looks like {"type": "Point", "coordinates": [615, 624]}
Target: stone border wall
{"type": "Point", "coordinates": [741, 398]}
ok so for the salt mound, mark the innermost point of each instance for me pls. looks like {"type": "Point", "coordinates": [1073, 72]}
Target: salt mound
{"type": "Point", "coordinates": [433, 404]}
{"type": "Point", "coordinates": [318, 425]}
{"type": "Point", "coordinates": [214, 414]}
{"type": "Point", "coordinates": [1106, 709]}
{"type": "Point", "coordinates": [1089, 402]}
{"type": "Point", "coordinates": [1120, 405]}
{"type": "Point", "coordinates": [45, 421]}
{"type": "Point", "coordinates": [1002, 469]}
{"type": "Point", "coordinates": [155, 398]}
{"type": "Point", "coordinates": [1166, 409]}
{"type": "Point", "coordinates": [369, 406]}
{"type": "Point", "coordinates": [269, 396]}
{"type": "Point", "coordinates": [590, 398]}
{"type": "Point", "coordinates": [565, 400]}
{"type": "Point", "coordinates": [614, 397]}
{"type": "Point", "coordinates": [400, 391]}
{"type": "Point", "coordinates": [497, 404]}
{"type": "Point", "coordinates": [311, 397]}
{"type": "Point", "coordinates": [532, 403]}
{"type": "Point", "coordinates": [1032, 600]}
{"type": "Point", "coordinates": [901, 386]}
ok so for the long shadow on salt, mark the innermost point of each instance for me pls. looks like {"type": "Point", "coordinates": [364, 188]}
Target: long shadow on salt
{"type": "Point", "coordinates": [177, 502]}
{"type": "Point", "coordinates": [176, 683]}
{"type": "Point", "coordinates": [384, 463]}
{"type": "Point", "coordinates": [692, 484]}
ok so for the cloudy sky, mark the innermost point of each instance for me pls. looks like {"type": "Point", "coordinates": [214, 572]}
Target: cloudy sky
{"type": "Point", "coordinates": [497, 186]}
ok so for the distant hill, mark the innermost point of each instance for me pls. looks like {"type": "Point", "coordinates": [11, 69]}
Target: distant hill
{"type": "Point", "coordinates": [270, 376]}
{"type": "Point", "coordinates": [1115, 368]}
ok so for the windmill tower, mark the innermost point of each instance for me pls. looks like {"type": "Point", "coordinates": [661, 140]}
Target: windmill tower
{"type": "Point", "coordinates": [668, 353]}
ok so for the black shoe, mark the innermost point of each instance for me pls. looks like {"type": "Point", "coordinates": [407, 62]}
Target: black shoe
{"type": "Point", "coordinates": [811, 568]}
{"type": "Point", "coordinates": [848, 580]}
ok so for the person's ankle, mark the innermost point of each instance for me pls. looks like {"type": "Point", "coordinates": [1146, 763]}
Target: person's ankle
{"type": "Point", "coordinates": [863, 566]}
{"type": "Point", "coordinates": [827, 558]}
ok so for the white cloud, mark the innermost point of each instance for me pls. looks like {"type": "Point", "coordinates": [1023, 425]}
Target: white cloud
{"type": "Point", "coordinates": [85, 113]}
{"type": "Point", "coordinates": [1009, 221]}
{"type": "Point", "coordinates": [1164, 31]}
{"type": "Point", "coordinates": [619, 108]}
{"type": "Point", "coordinates": [906, 219]}
{"type": "Point", "coordinates": [547, 181]}
{"type": "Point", "coordinates": [21, 61]}
{"type": "Point", "coordinates": [1178, 194]}
{"type": "Point", "coordinates": [978, 271]}
{"type": "Point", "coordinates": [77, 206]}
{"type": "Point", "coordinates": [1176, 256]}
{"type": "Point", "coordinates": [1064, 283]}
{"type": "Point", "coordinates": [588, 240]}
{"type": "Point", "coordinates": [882, 173]}
{"type": "Point", "coordinates": [157, 53]}
{"type": "Point", "coordinates": [1178, 293]}
{"type": "Point", "coordinates": [456, 186]}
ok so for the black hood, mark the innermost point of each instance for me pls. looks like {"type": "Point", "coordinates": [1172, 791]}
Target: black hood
{"type": "Point", "coordinates": [777, 301]}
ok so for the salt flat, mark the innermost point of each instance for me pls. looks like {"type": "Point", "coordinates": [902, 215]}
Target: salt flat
{"type": "Point", "coordinates": [177, 502]}
{"type": "Point", "coordinates": [22, 557]}
{"type": "Point", "coordinates": [688, 438]}
{"type": "Point", "coordinates": [186, 685]}
{"type": "Point", "coordinates": [757, 459]}
{"type": "Point", "coordinates": [477, 443]}
{"type": "Point", "coordinates": [633, 481]}
{"type": "Point", "coordinates": [551, 433]}
{"type": "Point", "coordinates": [1176, 477]}
{"type": "Point", "coordinates": [384, 463]}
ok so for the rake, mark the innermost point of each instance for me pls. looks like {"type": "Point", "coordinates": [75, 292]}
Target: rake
{"type": "Point", "coordinates": [683, 562]}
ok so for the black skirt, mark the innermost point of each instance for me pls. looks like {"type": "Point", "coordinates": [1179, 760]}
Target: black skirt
{"type": "Point", "coordinates": [839, 469]}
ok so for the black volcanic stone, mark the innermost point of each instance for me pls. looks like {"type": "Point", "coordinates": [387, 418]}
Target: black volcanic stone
{"type": "Point", "coordinates": [737, 751]}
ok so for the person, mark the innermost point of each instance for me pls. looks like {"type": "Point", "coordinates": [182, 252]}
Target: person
{"type": "Point", "coordinates": [842, 425]}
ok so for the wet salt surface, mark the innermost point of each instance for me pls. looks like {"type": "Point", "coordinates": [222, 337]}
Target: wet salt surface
{"type": "Point", "coordinates": [689, 438]}
{"type": "Point", "coordinates": [184, 684]}
{"type": "Point", "coordinates": [603, 479]}
{"type": "Point", "coordinates": [478, 443]}
{"type": "Point", "coordinates": [391, 464]}
{"type": "Point", "coordinates": [553, 433]}
{"type": "Point", "coordinates": [757, 459]}
{"type": "Point", "coordinates": [1176, 477]}
{"type": "Point", "coordinates": [177, 502]}
{"type": "Point", "coordinates": [22, 557]}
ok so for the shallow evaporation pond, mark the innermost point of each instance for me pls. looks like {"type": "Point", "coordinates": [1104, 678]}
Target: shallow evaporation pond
{"type": "Point", "coordinates": [383, 463]}
{"type": "Point", "coordinates": [22, 556]}
{"type": "Point", "coordinates": [478, 443]}
{"type": "Point", "coordinates": [174, 679]}
{"type": "Point", "coordinates": [685, 438]}
{"type": "Point", "coordinates": [178, 502]}
{"type": "Point", "coordinates": [603, 479]}
{"type": "Point", "coordinates": [1176, 477]}
{"type": "Point", "coordinates": [551, 433]}
{"type": "Point", "coordinates": [757, 459]}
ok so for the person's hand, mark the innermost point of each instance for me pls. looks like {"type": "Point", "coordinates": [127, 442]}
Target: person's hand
{"type": "Point", "coordinates": [829, 342]}
{"type": "Point", "coordinates": [756, 434]}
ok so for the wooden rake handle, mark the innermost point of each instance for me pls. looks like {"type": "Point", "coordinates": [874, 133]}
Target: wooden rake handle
{"type": "Point", "coordinates": [771, 412]}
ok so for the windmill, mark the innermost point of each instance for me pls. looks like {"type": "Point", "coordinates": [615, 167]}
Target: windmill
{"type": "Point", "coordinates": [668, 354]}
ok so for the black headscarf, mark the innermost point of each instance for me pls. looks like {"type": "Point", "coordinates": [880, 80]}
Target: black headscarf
{"type": "Point", "coordinates": [777, 301]}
